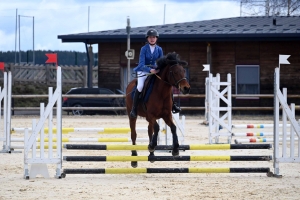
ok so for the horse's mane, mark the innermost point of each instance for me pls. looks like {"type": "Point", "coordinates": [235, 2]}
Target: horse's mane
{"type": "Point", "coordinates": [170, 59]}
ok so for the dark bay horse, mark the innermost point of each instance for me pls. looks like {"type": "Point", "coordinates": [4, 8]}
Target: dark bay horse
{"type": "Point", "coordinates": [159, 104]}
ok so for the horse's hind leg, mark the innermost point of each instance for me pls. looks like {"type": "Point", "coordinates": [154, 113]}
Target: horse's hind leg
{"type": "Point", "coordinates": [132, 122]}
{"type": "Point", "coordinates": [169, 122]}
{"type": "Point", "coordinates": [153, 138]}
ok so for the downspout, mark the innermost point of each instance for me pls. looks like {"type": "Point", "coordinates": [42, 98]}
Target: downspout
{"type": "Point", "coordinates": [208, 58]}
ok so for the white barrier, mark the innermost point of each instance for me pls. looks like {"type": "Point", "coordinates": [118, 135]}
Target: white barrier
{"type": "Point", "coordinates": [215, 121]}
{"type": "Point", "coordinates": [5, 95]}
{"type": "Point", "coordinates": [247, 126]}
{"type": "Point", "coordinates": [281, 154]}
{"type": "Point", "coordinates": [38, 163]}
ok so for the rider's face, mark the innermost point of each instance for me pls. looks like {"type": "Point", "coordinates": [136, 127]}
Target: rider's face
{"type": "Point", "coordinates": [152, 40]}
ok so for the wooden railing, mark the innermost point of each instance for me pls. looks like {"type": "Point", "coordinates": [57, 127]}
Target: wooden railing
{"type": "Point", "coordinates": [46, 74]}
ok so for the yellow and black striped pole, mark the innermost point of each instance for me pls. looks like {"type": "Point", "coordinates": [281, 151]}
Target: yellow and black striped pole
{"type": "Point", "coordinates": [163, 158]}
{"type": "Point", "coordinates": [164, 170]}
{"type": "Point", "coordinates": [167, 147]}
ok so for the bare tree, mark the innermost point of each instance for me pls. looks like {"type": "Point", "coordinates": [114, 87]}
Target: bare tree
{"type": "Point", "coordinates": [270, 7]}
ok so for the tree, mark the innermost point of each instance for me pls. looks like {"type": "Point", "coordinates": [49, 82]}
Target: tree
{"type": "Point", "coordinates": [270, 7]}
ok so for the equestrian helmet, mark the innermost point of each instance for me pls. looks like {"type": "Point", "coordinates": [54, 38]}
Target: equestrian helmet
{"type": "Point", "coordinates": [152, 32]}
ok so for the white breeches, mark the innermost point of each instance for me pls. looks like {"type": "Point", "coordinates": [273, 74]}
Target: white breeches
{"type": "Point", "coordinates": [141, 80]}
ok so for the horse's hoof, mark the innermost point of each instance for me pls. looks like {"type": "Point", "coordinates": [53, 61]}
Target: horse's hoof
{"type": "Point", "coordinates": [175, 152]}
{"type": "Point", "coordinates": [151, 157]}
{"type": "Point", "coordinates": [134, 164]}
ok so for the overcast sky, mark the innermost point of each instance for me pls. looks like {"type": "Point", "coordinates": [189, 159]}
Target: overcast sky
{"type": "Point", "coordinates": [60, 17]}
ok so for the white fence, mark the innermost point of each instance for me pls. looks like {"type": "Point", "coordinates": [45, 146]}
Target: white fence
{"type": "Point", "coordinates": [5, 97]}
{"type": "Point", "coordinates": [215, 120]}
{"type": "Point", "coordinates": [38, 163]}
{"type": "Point", "coordinates": [281, 154]}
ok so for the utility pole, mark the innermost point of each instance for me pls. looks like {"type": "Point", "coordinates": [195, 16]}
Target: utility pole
{"type": "Point", "coordinates": [89, 19]}
{"type": "Point", "coordinates": [164, 13]}
{"type": "Point", "coordinates": [128, 28]}
{"type": "Point", "coordinates": [16, 33]}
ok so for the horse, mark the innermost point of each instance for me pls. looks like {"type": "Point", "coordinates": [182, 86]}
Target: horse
{"type": "Point", "coordinates": [159, 104]}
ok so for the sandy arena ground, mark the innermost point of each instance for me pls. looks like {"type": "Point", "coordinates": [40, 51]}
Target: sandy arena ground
{"type": "Point", "coordinates": [148, 186]}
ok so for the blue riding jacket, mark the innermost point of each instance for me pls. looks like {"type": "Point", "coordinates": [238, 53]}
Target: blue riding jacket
{"type": "Point", "coordinates": [147, 58]}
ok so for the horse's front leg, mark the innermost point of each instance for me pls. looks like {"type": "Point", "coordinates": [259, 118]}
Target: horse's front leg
{"type": "Point", "coordinates": [175, 151]}
{"type": "Point", "coordinates": [169, 122]}
{"type": "Point", "coordinates": [151, 148]}
{"type": "Point", "coordinates": [132, 122]}
{"type": "Point", "coordinates": [153, 138]}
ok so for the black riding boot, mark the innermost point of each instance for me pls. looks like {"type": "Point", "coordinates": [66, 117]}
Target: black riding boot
{"type": "Point", "coordinates": [133, 113]}
{"type": "Point", "coordinates": [175, 108]}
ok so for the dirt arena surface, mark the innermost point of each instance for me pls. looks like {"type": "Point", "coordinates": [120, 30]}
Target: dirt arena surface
{"type": "Point", "coordinates": [148, 186]}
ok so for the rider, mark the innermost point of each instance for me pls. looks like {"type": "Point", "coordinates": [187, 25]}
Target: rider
{"type": "Point", "coordinates": [148, 55]}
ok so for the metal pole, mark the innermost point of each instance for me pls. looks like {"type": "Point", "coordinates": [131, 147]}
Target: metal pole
{"type": "Point", "coordinates": [89, 19]}
{"type": "Point", "coordinates": [164, 13]}
{"type": "Point", "coordinates": [16, 33]}
{"type": "Point", "coordinates": [128, 47]}
{"type": "Point", "coordinates": [19, 42]}
{"type": "Point", "coordinates": [33, 56]}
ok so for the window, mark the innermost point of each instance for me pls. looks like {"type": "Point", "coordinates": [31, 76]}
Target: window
{"type": "Point", "coordinates": [247, 79]}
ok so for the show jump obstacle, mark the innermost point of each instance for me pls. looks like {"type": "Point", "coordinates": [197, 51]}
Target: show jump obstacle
{"type": "Point", "coordinates": [281, 154]}
{"type": "Point", "coordinates": [38, 162]}
{"type": "Point", "coordinates": [215, 119]}
{"type": "Point", "coordinates": [165, 158]}
{"type": "Point", "coordinates": [286, 142]}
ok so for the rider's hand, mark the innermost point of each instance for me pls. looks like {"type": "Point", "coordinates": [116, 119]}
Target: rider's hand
{"type": "Point", "coordinates": [154, 71]}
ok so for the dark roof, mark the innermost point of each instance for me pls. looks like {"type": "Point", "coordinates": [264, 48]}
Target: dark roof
{"type": "Point", "coordinates": [259, 28]}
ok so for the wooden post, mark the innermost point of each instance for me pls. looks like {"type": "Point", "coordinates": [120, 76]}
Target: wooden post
{"type": "Point", "coordinates": [84, 76]}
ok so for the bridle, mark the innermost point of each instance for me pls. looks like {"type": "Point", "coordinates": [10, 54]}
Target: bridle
{"type": "Point", "coordinates": [171, 74]}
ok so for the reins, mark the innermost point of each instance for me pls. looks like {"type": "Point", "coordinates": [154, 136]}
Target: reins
{"type": "Point", "coordinates": [171, 73]}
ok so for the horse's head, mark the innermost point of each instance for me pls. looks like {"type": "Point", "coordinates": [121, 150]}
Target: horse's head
{"type": "Point", "coordinates": [174, 67]}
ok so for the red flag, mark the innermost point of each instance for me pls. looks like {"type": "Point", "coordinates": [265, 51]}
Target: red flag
{"type": "Point", "coordinates": [52, 58]}
{"type": "Point", "coordinates": [2, 66]}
